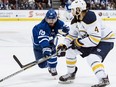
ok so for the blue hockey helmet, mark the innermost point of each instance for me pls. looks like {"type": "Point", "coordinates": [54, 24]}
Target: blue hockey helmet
{"type": "Point", "coordinates": [51, 16]}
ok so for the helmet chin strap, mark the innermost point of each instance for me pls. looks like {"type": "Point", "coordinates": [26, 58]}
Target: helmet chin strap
{"type": "Point", "coordinates": [79, 16]}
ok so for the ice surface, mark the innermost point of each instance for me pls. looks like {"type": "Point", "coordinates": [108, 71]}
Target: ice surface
{"type": "Point", "coordinates": [15, 39]}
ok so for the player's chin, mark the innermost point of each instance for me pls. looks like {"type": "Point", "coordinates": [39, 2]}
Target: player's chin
{"type": "Point", "coordinates": [51, 24]}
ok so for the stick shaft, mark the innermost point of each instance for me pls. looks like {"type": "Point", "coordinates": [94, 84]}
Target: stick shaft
{"type": "Point", "coordinates": [29, 65]}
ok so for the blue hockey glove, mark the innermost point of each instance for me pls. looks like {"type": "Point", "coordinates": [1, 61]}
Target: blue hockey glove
{"type": "Point", "coordinates": [47, 51]}
{"type": "Point", "coordinates": [61, 50]}
{"type": "Point", "coordinates": [64, 30]}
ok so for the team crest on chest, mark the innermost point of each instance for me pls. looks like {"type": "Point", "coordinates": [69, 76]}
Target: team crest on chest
{"type": "Point", "coordinates": [41, 32]}
{"type": "Point", "coordinates": [83, 33]}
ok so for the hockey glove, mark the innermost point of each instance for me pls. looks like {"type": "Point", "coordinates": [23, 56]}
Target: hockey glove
{"type": "Point", "coordinates": [64, 30]}
{"type": "Point", "coordinates": [76, 44]}
{"type": "Point", "coordinates": [61, 50]}
{"type": "Point", "coordinates": [47, 51]}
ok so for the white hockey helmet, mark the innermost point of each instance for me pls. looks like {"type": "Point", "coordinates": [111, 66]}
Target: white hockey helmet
{"type": "Point", "coordinates": [77, 6]}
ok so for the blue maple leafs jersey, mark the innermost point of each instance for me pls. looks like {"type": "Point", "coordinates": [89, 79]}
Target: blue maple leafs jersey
{"type": "Point", "coordinates": [44, 35]}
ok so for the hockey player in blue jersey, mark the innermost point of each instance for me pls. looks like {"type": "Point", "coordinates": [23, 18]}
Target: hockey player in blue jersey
{"type": "Point", "coordinates": [44, 36]}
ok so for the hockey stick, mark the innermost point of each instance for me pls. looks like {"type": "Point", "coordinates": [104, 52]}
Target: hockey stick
{"type": "Point", "coordinates": [21, 65]}
{"type": "Point", "coordinates": [27, 67]}
{"type": "Point", "coordinates": [18, 62]}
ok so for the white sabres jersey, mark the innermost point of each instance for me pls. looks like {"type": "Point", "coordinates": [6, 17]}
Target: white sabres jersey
{"type": "Point", "coordinates": [90, 30]}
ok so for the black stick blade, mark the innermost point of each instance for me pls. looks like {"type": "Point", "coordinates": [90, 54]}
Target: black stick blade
{"type": "Point", "coordinates": [17, 60]}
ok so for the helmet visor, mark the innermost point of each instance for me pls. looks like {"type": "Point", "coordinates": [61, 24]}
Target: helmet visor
{"type": "Point", "coordinates": [51, 21]}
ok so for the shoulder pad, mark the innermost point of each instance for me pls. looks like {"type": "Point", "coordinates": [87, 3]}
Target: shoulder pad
{"type": "Point", "coordinates": [90, 17]}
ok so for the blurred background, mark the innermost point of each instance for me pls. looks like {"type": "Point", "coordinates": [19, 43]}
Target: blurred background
{"type": "Point", "coordinates": [46, 4]}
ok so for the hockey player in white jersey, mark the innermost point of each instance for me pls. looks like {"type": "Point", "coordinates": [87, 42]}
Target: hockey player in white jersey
{"type": "Point", "coordinates": [89, 38]}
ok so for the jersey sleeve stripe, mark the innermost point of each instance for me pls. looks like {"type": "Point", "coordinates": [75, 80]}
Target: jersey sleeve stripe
{"type": "Point", "coordinates": [78, 43]}
{"type": "Point", "coordinates": [109, 36]}
{"type": "Point", "coordinates": [69, 37]}
{"type": "Point", "coordinates": [95, 39]}
{"type": "Point", "coordinates": [45, 39]}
